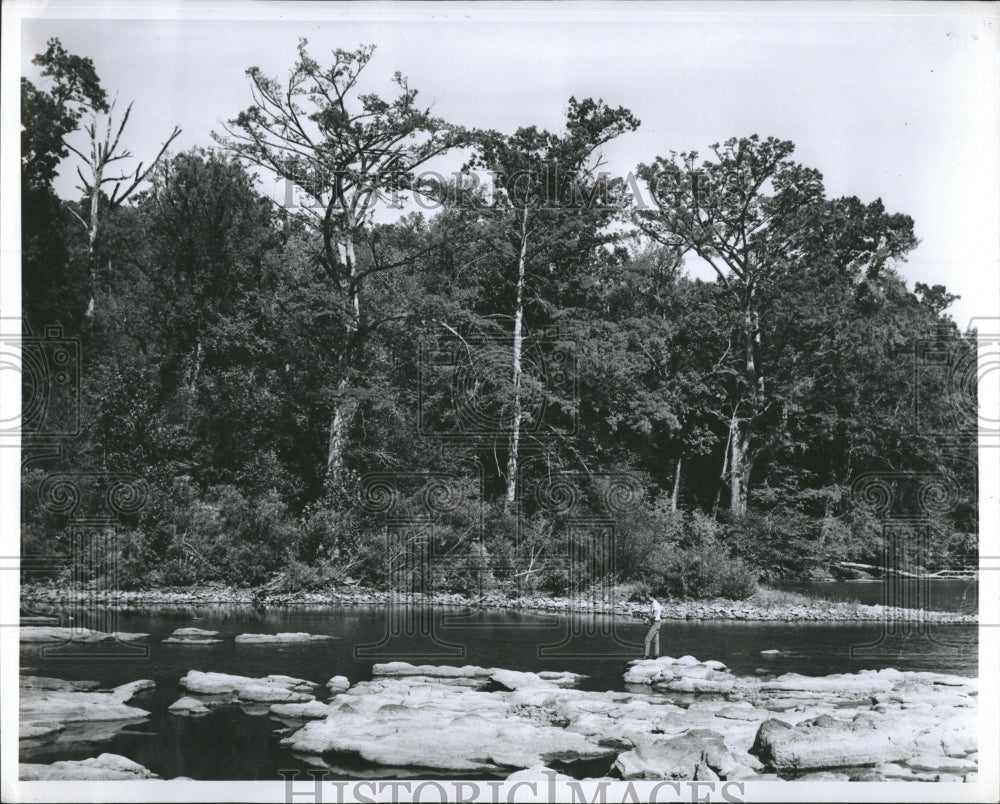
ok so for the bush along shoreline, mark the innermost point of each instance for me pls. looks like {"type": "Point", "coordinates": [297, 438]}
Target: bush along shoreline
{"type": "Point", "coordinates": [763, 606]}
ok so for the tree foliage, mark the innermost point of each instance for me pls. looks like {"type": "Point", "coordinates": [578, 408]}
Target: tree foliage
{"type": "Point", "coordinates": [259, 364]}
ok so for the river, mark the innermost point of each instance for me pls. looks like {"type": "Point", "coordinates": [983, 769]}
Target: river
{"type": "Point", "coordinates": [230, 744]}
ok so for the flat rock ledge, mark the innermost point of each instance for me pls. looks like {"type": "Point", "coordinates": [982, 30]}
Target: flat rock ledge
{"type": "Point", "coordinates": [387, 722]}
{"type": "Point", "coordinates": [52, 633]}
{"type": "Point", "coordinates": [67, 712]}
{"type": "Point", "coordinates": [281, 638]}
{"type": "Point", "coordinates": [472, 676]}
{"type": "Point", "coordinates": [104, 768]}
{"type": "Point", "coordinates": [695, 721]}
{"type": "Point", "coordinates": [193, 636]}
{"type": "Point", "coordinates": [226, 689]}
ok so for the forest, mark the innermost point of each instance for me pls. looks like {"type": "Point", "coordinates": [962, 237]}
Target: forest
{"type": "Point", "coordinates": [328, 359]}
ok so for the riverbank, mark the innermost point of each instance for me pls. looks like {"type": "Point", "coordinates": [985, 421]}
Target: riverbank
{"type": "Point", "coordinates": [765, 605]}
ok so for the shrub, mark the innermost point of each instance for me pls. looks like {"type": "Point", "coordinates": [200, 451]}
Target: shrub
{"type": "Point", "coordinates": [221, 536]}
{"type": "Point", "coordinates": [702, 571]}
{"type": "Point", "coordinates": [738, 581]}
{"type": "Point", "coordinates": [298, 576]}
{"type": "Point", "coordinates": [132, 567]}
{"type": "Point", "coordinates": [783, 544]}
{"type": "Point", "coordinates": [641, 534]}
{"type": "Point", "coordinates": [174, 572]}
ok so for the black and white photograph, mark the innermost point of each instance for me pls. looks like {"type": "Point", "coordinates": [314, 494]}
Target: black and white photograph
{"type": "Point", "coordinates": [500, 402]}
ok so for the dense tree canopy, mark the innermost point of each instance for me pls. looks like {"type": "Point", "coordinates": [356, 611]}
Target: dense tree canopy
{"type": "Point", "coordinates": [497, 365]}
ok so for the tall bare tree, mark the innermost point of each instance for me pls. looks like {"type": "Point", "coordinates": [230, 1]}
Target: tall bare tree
{"type": "Point", "coordinates": [548, 192]}
{"type": "Point", "coordinates": [347, 151]}
{"type": "Point", "coordinates": [104, 137]}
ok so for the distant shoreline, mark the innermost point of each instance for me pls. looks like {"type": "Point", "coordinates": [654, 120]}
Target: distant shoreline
{"type": "Point", "coordinates": [766, 605]}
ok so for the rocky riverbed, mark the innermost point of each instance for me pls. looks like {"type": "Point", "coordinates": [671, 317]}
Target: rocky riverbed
{"type": "Point", "coordinates": [696, 722]}
{"type": "Point", "coordinates": [759, 608]}
{"type": "Point", "coordinates": [679, 719]}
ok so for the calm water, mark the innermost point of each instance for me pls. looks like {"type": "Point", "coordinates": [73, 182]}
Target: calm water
{"type": "Point", "coordinates": [935, 595]}
{"type": "Point", "coordinates": [231, 744]}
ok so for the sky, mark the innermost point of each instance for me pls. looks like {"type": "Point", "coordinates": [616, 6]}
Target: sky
{"type": "Point", "coordinates": [896, 101]}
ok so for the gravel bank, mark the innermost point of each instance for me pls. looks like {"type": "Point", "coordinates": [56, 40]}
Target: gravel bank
{"type": "Point", "coordinates": [758, 608]}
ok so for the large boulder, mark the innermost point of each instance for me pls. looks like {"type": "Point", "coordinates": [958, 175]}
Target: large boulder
{"type": "Point", "coordinates": [127, 691]}
{"type": "Point", "coordinates": [106, 767]}
{"type": "Point", "coordinates": [829, 743]}
{"type": "Point", "coordinates": [405, 669]}
{"type": "Point", "coordinates": [538, 773]}
{"type": "Point", "coordinates": [473, 676]}
{"type": "Point", "coordinates": [863, 684]}
{"type": "Point", "coordinates": [698, 755]}
{"type": "Point", "coordinates": [685, 674]}
{"type": "Point", "coordinates": [516, 680]}
{"type": "Point", "coordinates": [942, 764]}
{"type": "Point", "coordinates": [645, 671]}
{"type": "Point", "coordinates": [338, 684]}
{"type": "Point", "coordinates": [273, 692]}
{"type": "Point", "coordinates": [310, 710]}
{"type": "Point", "coordinates": [38, 731]}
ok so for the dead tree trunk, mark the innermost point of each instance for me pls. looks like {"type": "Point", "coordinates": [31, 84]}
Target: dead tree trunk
{"type": "Point", "coordinates": [515, 433]}
{"type": "Point", "coordinates": [677, 486]}
{"type": "Point", "coordinates": [92, 239]}
{"type": "Point", "coordinates": [344, 406]}
{"type": "Point", "coordinates": [102, 154]}
{"type": "Point", "coordinates": [741, 430]}
{"type": "Point", "coordinates": [739, 468]}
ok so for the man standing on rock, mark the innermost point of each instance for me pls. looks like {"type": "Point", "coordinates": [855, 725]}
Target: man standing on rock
{"type": "Point", "coordinates": [651, 649]}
